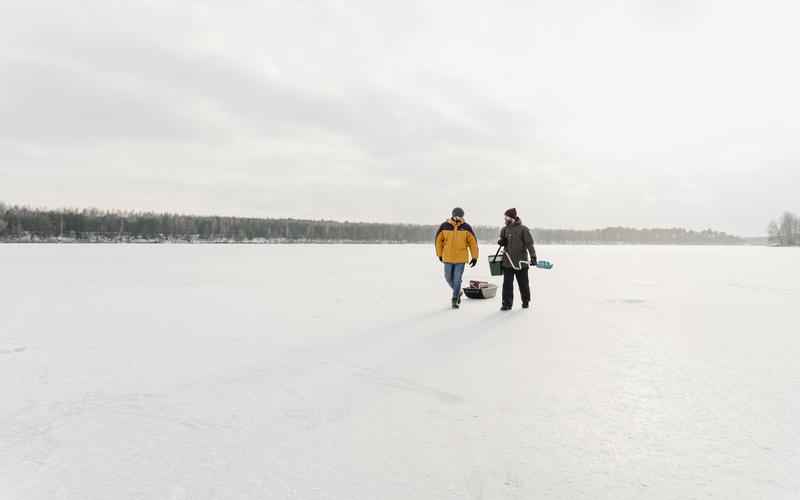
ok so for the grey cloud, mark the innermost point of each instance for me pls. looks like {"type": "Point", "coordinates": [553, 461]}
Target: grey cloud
{"type": "Point", "coordinates": [156, 89]}
{"type": "Point", "coordinates": [41, 103]}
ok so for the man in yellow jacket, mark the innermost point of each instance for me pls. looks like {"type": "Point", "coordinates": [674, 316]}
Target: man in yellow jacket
{"type": "Point", "coordinates": [456, 244]}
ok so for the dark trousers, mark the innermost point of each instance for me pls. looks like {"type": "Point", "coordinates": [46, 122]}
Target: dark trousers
{"type": "Point", "coordinates": [522, 281]}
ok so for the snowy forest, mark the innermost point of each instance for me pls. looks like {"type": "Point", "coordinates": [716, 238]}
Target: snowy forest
{"type": "Point", "coordinates": [22, 224]}
{"type": "Point", "coordinates": [785, 232]}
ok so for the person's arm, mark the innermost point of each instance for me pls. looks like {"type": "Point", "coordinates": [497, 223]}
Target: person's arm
{"type": "Point", "coordinates": [472, 240]}
{"type": "Point", "coordinates": [528, 238]}
{"type": "Point", "coordinates": [439, 242]}
{"type": "Point", "coordinates": [502, 241]}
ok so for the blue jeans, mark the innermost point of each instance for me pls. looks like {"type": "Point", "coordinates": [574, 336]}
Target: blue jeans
{"type": "Point", "coordinates": [453, 274]}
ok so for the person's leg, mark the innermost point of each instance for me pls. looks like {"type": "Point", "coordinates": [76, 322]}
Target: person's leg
{"type": "Point", "coordinates": [524, 285]}
{"type": "Point", "coordinates": [448, 274]}
{"type": "Point", "coordinates": [458, 273]}
{"type": "Point", "coordinates": [508, 287]}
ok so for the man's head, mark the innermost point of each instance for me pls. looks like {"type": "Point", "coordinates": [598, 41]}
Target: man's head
{"type": "Point", "coordinates": [458, 213]}
{"type": "Point", "coordinates": [511, 216]}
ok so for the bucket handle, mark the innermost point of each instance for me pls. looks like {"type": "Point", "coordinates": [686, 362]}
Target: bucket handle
{"type": "Point", "coordinates": [497, 253]}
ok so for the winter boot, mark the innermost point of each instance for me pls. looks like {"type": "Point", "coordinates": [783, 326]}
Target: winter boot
{"type": "Point", "coordinates": [526, 305]}
{"type": "Point", "coordinates": [505, 308]}
{"type": "Point", "coordinates": [455, 302]}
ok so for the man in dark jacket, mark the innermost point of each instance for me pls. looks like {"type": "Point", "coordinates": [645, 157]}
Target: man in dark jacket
{"type": "Point", "coordinates": [519, 255]}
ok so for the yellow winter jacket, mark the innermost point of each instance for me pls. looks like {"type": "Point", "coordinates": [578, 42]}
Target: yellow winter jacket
{"type": "Point", "coordinates": [455, 241]}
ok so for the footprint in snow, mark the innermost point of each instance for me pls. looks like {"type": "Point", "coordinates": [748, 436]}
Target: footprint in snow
{"type": "Point", "coordinates": [626, 301]}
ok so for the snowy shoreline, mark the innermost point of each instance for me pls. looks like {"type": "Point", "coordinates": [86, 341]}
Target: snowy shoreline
{"type": "Point", "coordinates": [67, 241]}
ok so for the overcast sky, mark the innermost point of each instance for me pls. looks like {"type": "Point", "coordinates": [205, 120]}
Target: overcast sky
{"type": "Point", "coordinates": [579, 113]}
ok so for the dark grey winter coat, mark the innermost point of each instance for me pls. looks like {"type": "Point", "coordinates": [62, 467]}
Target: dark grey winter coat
{"type": "Point", "coordinates": [518, 243]}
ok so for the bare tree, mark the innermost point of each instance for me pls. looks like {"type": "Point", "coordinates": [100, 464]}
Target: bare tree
{"type": "Point", "coordinates": [774, 233]}
{"type": "Point", "coordinates": [789, 230]}
{"type": "Point", "coordinates": [3, 224]}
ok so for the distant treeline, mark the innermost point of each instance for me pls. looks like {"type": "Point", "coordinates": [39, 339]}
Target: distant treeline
{"type": "Point", "coordinates": [785, 232]}
{"type": "Point", "coordinates": [667, 236]}
{"type": "Point", "coordinates": [92, 225]}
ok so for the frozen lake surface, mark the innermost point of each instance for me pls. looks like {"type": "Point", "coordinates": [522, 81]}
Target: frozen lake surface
{"type": "Point", "coordinates": [339, 372]}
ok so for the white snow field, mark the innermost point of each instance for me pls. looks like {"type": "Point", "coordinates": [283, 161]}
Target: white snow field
{"type": "Point", "coordinates": [340, 372]}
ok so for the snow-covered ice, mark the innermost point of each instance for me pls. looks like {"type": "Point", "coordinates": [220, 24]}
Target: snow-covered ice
{"type": "Point", "coordinates": [340, 372]}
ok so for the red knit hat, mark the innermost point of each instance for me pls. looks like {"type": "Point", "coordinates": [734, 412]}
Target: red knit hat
{"type": "Point", "coordinates": [511, 212]}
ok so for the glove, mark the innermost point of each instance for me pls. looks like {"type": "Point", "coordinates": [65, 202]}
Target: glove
{"type": "Point", "coordinates": [534, 262]}
{"type": "Point", "coordinates": [473, 262]}
{"type": "Point", "coordinates": [440, 260]}
{"type": "Point", "coordinates": [502, 242]}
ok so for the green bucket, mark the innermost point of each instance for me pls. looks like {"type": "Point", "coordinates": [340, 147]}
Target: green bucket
{"type": "Point", "coordinates": [495, 262]}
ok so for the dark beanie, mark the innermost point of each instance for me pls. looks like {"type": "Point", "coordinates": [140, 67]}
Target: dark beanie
{"type": "Point", "coordinates": [458, 212]}
{"type": "Point", "coordinates": [511, 212]}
